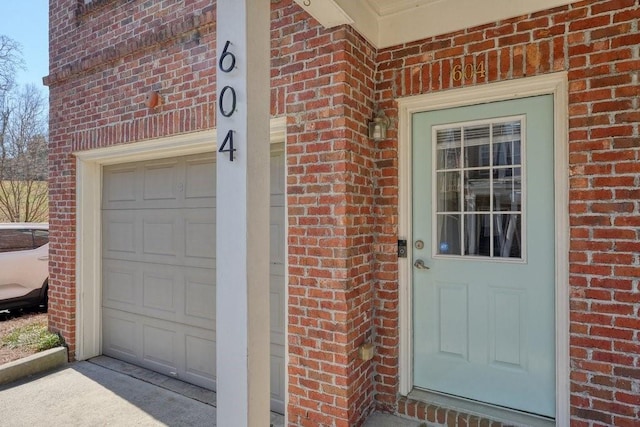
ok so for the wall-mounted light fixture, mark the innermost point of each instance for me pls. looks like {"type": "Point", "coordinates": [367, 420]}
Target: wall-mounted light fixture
{"type": "Point", "coordinates": [378, 126]}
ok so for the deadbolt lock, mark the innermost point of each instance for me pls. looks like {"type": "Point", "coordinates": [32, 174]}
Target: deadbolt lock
{"type": "Point", "coordinates": [419, 244]}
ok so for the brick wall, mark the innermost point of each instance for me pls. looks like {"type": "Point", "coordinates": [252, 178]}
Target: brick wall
{"type": "Point", "coordinates": [342, 188]}
{"type": "Point", "coordinates": [106, 57]}
{"type": "Point", "coordinates": [329, 96]}
{"type": "Point", "coordinates": [598, 43]}
{"type": "Point", "coordinates": [104, 60]}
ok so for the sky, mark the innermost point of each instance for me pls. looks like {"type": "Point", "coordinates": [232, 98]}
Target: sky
{"type": "Point", "coordinates": [27, 22]}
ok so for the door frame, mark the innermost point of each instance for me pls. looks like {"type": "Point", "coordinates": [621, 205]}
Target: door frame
{"type": "Point", "coordinates": [89, 220]}
{"type": "Point", "coordinates": [555, 84]}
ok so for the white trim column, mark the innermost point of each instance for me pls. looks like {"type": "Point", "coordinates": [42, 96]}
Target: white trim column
{"type": "Point", "coordinates": [242, 242]}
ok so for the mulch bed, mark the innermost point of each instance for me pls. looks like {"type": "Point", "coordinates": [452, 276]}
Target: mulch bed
{"type": "Point", "coordinates": [10, 321]}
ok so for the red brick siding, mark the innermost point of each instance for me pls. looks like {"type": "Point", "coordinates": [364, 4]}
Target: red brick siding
{"type": "Point", "coordinates": [342, 189]}
{"type": "Point", "coordinates": [597, 43]}
{"type": "Point", "coordinates": [360, 155]}
{"type": "Point", "coordinates": [328, 92]}
{"type": "Point", "coordinates": [104, 60]}
{"type": "Point", "coordinates": [442, 416]}
{"type": "Point", "coordinates": [121, 50]}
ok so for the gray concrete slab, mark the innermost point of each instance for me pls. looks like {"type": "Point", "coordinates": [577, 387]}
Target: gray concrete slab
{"type": "Point", "coordinates": [185, 389]}
{"type": "Point", "coordinates": [108, 392]}
{"type": "Point", "coordinates": [188, 390]}
{"type": "Point", "coordinates": [85, 394]}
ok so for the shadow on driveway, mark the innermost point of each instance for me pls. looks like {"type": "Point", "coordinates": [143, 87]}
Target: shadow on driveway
{"type": "Point", "coordinates": [108, 392]}
{"type": "Point", "coordinates": [84, 394]}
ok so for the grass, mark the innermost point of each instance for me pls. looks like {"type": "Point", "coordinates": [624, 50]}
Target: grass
{"type": "Point", "coordinates": [35, 336]}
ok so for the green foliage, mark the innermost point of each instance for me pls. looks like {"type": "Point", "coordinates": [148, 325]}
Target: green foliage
{"type": "Point", "coordinates": [35, 336]}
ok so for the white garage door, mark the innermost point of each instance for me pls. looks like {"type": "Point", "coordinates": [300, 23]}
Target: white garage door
{"type": "Point", "coordinates": [159, 268]}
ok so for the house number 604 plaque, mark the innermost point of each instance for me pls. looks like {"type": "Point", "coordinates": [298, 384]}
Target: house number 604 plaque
{"type": "Point", "coordinates": [227, 98]}
{"type": "Point", "coordinates": [468, 71]}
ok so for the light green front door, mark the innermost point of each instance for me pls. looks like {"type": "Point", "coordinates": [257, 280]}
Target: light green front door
{"type": "Point", "coordinates": [483, 253]}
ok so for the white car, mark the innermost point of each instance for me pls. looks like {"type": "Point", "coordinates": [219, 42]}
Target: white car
{"type": "Point", "coordinates": [24, 265]}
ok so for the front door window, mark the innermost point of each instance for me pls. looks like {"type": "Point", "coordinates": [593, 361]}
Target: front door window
{"type": "Point", "coordinates": [478, 197]}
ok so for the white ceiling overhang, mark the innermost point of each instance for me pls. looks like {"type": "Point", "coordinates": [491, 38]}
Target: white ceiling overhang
{"type": "Point", "coordinates": [387, 23]}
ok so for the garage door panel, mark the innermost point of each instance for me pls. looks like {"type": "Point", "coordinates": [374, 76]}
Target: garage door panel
{"type": "Point", "coordinates": [180, 203]}
{"type": "Point", "coordinates": [160, 237]}
{"type": "Point", "coordinates": [179, 294]}
{"type": "Point", "coordinates": [122, 235]}
{"type": "Point", "coordinates": [120, 185]}
{"type": "Point", "coordinates": [277, 311]}
{"type": "Point", "coordinates": [200, 236]}
{"type": "Point", "coordinates": [119, 284]}
{"type": "Point", "coordinates": [159, 344]}
{"type": "Point", "coordinates": [277, 182]}
{"type": "Point", "coordinates": [278, 337]}
{"type": "Point", "coordinates": [119, 337]}
{"type": "Point", "coordinates": [174, 349]}
{"type": "Point", "coordinates": [159, 290]}
{"type": "Point", "coordinates": [120, 227]}
{"type": "Point", "coordinates": [200, 300]}
{"type": "Point", "coordinates": [161, 181]}
{"type": "Point", "coordinates": [200, 365]}
{"type": "Point", "coordinates": [174, 184]}
{"type": "Point", "coordinates": [200, 178]}
{"type": "Point", "coordinates": [276, 375]}
{"type": "Point", "coordinates": [164, 236]}
{"type": "Point", "coordinates": [185, 237]}
{"type": "Point", "coordinates": [277, 230]}
{"type": "Point", "coordinates": [277, 280]}
{"type": "Point", "coordinates": [187, 359]}
{"type": "Point", "coordinates": [135, 294]}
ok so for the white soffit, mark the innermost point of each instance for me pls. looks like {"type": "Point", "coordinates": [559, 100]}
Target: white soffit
{"type": "Point", "coordinates": [326, 12]}
{"type": "Point", "coordinates": [388, 7]}
{"type": "Point", "coordinates": [391, 22]}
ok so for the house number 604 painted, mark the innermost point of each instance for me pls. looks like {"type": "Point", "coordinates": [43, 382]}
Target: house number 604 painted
{"type": "Point", "coordinates": [227, 98]}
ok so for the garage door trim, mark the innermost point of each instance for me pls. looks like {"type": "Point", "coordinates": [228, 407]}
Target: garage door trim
{"type": "Point", "coordinates": [89, 222]}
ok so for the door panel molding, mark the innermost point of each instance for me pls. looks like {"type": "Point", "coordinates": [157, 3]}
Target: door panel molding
{"type": "Point", "coordinates": [554, 84]}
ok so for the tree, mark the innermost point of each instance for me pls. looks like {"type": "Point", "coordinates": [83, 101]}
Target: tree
{"type": "Point", "coordinates": [10, 62]}
{"type": "Point", "coordinates": [23, 143]}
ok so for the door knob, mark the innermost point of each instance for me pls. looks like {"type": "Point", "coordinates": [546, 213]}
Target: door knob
{"type": "Point", "coordinates": [419, 264]}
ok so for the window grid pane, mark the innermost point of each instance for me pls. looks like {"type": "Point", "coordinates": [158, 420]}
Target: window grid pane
{"type": "Point", "coordinates": [479, 190]}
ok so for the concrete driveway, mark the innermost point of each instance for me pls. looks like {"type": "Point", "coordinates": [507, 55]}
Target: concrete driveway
{"type": "Point", "coordinates": [108, 392]}
{"type": "Point", "coordinates": [86, 394]}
